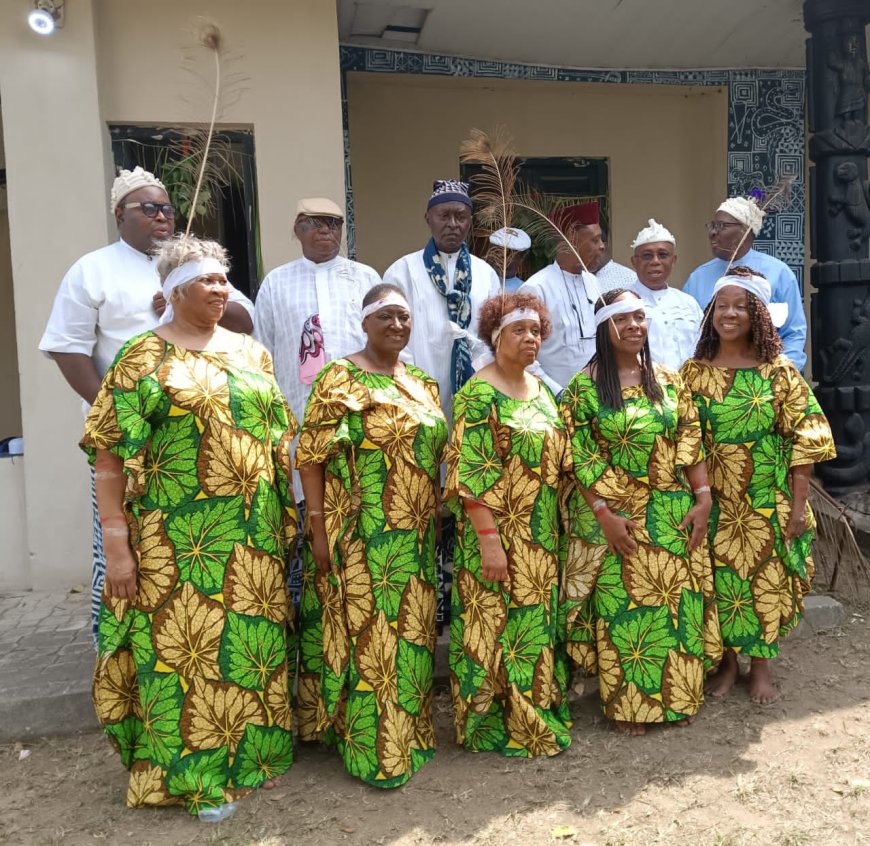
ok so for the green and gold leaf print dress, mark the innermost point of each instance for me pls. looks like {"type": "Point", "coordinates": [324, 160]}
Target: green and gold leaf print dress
{"type": "Point", "coordinates": [508, 672]}
{"type": "Point", "coordinates": [758, 422]}
{"type": "Point", "coordinates": [647, 624]}
{"type": "Point", "coordinates": [193, 678]}
{"type": "Point", "coordinates": [368, 625]}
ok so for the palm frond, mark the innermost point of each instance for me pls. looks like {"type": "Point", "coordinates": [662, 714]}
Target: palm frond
{"type": "Point", "coordinates": [841, 567]}
{"type": "Point", "coordinates": [493, 186]}
{"type": "Point", "coordinates": [541, 215]}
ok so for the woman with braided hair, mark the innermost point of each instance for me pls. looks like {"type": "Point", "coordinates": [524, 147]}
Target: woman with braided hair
{"type": "Point", "coordinates": [763, 430]}
{"type": "Point", "coordinates": [637, 591]}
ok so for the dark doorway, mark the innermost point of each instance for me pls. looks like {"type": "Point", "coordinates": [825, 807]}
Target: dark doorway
{"type": "Point", "coordinates": [552, 179]}
{"type": "Point", "coordinates": [231, 216]}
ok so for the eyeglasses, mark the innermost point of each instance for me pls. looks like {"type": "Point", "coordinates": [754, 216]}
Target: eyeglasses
{"type": "Point", "coordinates": [647, 257]}
{"type": "Point", "coordinates": [719, 225]}
{"type": "Point", "coordinates": [151, 209]}
{"type": "Point", "coordinates": [306, 224]}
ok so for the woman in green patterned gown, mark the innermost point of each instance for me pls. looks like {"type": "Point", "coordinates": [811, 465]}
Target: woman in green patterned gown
{"type": "Point", "coordinates": [638, 588]}
{"type": "Point", "coordinates": [369, 455]}
{"type": "Point", "coordinates": [763, 431]}
{"type": "Point", "coordinates": [190, 439]}
{"type": "Point", "coordinates": [507, 665]}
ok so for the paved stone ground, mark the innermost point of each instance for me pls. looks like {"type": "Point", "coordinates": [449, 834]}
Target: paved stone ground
{"type": "Point", "coordinates": [46, 664]}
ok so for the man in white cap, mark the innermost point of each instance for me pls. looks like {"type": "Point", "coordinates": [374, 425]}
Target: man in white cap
{"type": "Point", "coordinates": [736, 217]}
{"type": "Point", "coordinates": [308, 310]}
{"type": "Point", "coordinates": [509, 248]}
{"type": "Point", "coordinates": [445, 286]}
{"type": "Point", "coordinates": [111, 294]}
{"type": "Point", "coordinates": [674, 317]}
{"type": "Point", "coordinates": [308, 313]}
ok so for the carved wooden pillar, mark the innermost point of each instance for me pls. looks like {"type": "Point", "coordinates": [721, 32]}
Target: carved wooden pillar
{"type": "Point", "coordinates": [838, 86]}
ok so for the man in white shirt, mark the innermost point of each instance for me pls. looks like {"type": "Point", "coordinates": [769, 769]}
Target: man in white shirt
{"type": "Point", "coordinates": [674, 317]}
{"type": "Point", "coordinates": [308, 310]}
{"type": "Point", "coordinates": [112, 294]}
{"type": "Point", "coordinates": [569, 293]}
{"type": "Point", "coordinates": [308, 313]}
{"type": "Point", "coordinates": [732, 233]}
{"type": "Point", "coordinates": [445, 286]}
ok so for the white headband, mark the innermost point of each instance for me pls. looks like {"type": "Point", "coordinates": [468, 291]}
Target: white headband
{"type": "Point", "coordinates": [391, 298]}
{"type": "Point", "coordinates": [759, 287]}
{"type": "Point", "coordinates": [187, 272]}
{"type": "Point", "coordinates": [513, 317]}
{"type": "Point", "coordinates": [622, 307]}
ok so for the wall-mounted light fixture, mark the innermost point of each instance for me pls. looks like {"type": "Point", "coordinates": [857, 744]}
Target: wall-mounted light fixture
{"type": "Point", "coordinates": [46, 17]}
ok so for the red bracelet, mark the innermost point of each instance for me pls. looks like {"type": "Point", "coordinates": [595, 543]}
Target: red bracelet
{"type": "Point", "coordinates": [481, 532]}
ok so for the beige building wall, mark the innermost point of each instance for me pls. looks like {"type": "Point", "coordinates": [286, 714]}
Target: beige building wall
{"type": "Point", "coordinates": [282, 76]}
{"type": "Point", "coordinates": [666, 147]}
{"type": "Point", "coordinates": [116, 61]}
{"type": "Point", "coordinates": [54, 144]}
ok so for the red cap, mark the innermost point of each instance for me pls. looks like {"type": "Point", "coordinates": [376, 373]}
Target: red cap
{"type": "Point", "coordinates": [582, 214]}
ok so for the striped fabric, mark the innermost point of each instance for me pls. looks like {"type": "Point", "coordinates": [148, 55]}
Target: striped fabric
{"type": "Point", "coordinates": [98, 576]}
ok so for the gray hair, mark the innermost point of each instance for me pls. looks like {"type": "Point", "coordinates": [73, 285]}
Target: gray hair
{"type": "Point", "coordinates": [183, 248]}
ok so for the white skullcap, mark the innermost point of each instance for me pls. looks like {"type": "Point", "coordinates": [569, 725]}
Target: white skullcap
{"type": "Point", "coordinates": [513, 239]}
{"type": "Point", "coordinates": [128, 181]}
{"type": "Point", "coordinates": [745, 210]}
{"type": "Point", "coordinates": [652, 234]}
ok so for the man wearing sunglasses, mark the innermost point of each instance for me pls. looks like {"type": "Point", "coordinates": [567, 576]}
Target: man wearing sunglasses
{"type": "Point", "coordinates": [113, 293]}
{"type": "Point", "coordinates": [732, 233]}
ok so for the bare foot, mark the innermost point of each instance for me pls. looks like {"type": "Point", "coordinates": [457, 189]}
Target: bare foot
{"type": "Point", "coordinates": [684, 723]}
{"type": "Point", "coordinates": [725, 677]}
{"type": "Point", "coordinates": [761, 689]}
{"type": "Point", "coordinates": [631, 729]}
{"type": "Point", "coordinates": [270, 783]}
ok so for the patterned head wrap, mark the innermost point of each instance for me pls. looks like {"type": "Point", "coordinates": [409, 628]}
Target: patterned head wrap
{"type": "Point", "coordinates": [128, 181]}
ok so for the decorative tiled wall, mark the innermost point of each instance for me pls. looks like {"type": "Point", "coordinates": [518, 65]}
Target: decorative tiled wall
{"type": "Point", "coordinates": [765, 124]}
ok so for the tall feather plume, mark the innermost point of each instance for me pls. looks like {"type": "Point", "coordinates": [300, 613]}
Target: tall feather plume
{"type": "Point", "coordinates": [499, 192]}
{"type": "Point", "coordinates": [494, 185]}
{"type": "Point", "coordinates": [211, 38]}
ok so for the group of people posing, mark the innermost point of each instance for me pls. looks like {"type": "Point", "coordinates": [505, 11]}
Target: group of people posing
{"type": "Point", "coordinates": [621, 493]}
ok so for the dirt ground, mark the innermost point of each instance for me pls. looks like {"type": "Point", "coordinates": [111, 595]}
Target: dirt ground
{"type": "Point", "coordinates": [794, 773]}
